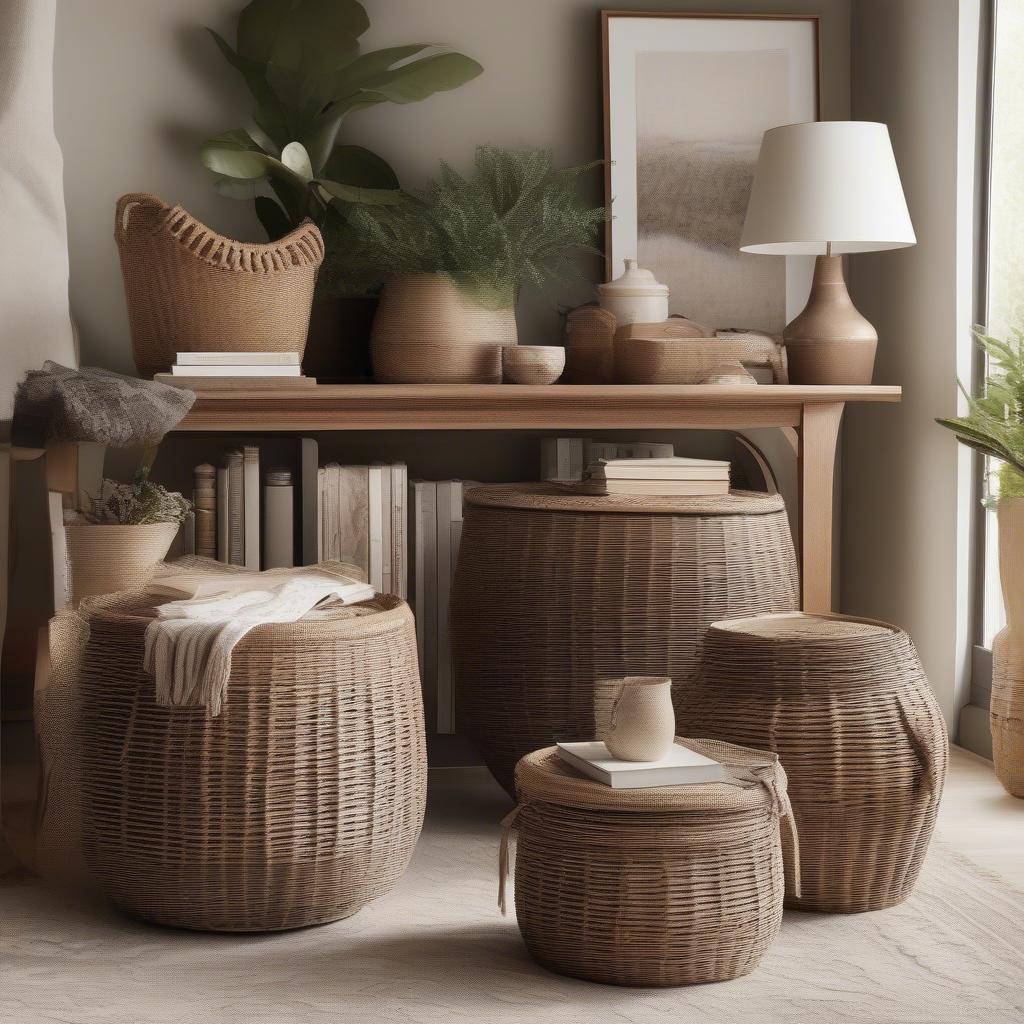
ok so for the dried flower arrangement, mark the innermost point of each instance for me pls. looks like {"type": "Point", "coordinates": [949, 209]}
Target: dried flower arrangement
{"type": "Point", "coordinates": [140, 503]}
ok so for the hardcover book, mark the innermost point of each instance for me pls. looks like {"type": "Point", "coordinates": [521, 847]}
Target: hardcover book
{"type": "Point", "coordinates": [681, 766]}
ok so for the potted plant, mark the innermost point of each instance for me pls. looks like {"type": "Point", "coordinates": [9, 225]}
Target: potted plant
{"type": "Point", "coordinates": [453, 258]}
{"type": "Point", "coordinates": [301, 61]}
{"type": "Point", "coordinates": [118, 543]}
{"type": "Point", "coordinates": [994, 426]}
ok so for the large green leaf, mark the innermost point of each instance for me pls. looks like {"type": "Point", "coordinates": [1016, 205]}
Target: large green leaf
{"type": "Point", "coordinates": [354, 165]}
{"type": "Point", "coordinates": [320, 139]}
{"type": "Point", "coordinates": [296, 159]}
{"type": "Point", "coordinates": [252, 71]}
{"type": "Point", "coordinates": [273, 218]}
{"type": "Point", "coordinates": [415, 81]}
{"type": "Point", "coordinates": [259, 25]}
{"type": "Point", "coordinates": [362, 196]}
{"type": "Point", "coordinates": [351, 77]}
{"type": "Point", "coordinates": [235, 155]}
{"type": "Point", "coordinates": [235, 188]}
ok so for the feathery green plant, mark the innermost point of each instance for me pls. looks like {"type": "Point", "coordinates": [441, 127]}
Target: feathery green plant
{"type": "Point", "coordinates": [994, 424]}
{"type": "Point", "coordinates": [514, 220]}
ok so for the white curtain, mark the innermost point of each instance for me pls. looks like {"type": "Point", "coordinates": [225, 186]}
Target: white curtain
{"type": "Point", "coordinates": [34, 320]}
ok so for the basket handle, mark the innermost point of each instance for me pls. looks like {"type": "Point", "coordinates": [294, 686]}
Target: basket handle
{"type": "Point", "coordinates": [921, 734]}
{"type": "Point", "coordinates": [508, 824]}
{"type": "Point", "coordinates": [126, 204]}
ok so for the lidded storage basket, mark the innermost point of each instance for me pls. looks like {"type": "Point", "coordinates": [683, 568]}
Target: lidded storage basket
{"type": "Point", "coordinates": [845, 704]}
{"type": "Point", "coordinates": [190, 289]}
{"type": "Point", "coordinates": [557, 595]}
{"type": "Point", "coordinates": [299, 804]}
{"type": "Point", "coordinates": [674, 885]}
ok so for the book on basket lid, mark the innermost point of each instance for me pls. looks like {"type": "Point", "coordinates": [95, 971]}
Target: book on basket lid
{"type": "Point", "coordinates": [658, 476]}
{"type": "Point", "coordinates": [681, 766]}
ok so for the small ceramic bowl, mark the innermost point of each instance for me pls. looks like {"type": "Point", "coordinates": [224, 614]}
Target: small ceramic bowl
{"type": "Point", "coordinates": [532, 364]}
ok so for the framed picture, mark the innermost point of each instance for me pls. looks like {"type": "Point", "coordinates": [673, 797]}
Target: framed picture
{"type": "Point", "coordinates": [686, 100]}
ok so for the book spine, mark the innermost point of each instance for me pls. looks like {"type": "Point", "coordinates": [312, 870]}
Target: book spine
{"type": "Point", "coordinates": [387, 539]}
{"type": "Point", "coordinates": [564, 459]}
{"type": "Point", "coordinates": [237, 358]}
{"type": "Point", "coordinates": [428, 610]}
{"type": "Point", "coordinates": [204, 501]}
{"type": "Point", "coordinates": [576, 466]}
{"type": "Point", "coordinates": [237, 370]}
{"type": "Point", "coordinates": [445, 725]}
{"type": "Point", "coordinates": [549, 458]}
{"type": "Point", "coordinates": [251, 497]}
{"type": "Point", "coordinates": [223, 520]}
{"type": "Point", "coordinates": [416, 565]}
{"type": "Point", "coordinates": [309, 464]}
{"type": "Point", "coordinates": [321, 514]}
{"type": "Point", "coordinates": [399, 531]}
{"type": "Point", "coordinates": [59, 551]}
{"type": "Point", "coordinates": [279, 526]}
{"type": "Point", "coordinates": [375, 490]}
{"type": "Point", "coordinates": [236, 518]}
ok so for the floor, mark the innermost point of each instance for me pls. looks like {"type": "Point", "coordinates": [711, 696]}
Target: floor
{"type": "Point", "coordinates": [438, 952]}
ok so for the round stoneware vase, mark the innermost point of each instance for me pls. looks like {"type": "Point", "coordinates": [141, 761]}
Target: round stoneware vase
{"type": "Point", "coordinates": [103, 559]}
{"type": "Point", "coordinates": [1007, 714]}
{"type": "Point", "coordinates": [643, 722]}
{"type": "Point", "coordinates": [429, 331]}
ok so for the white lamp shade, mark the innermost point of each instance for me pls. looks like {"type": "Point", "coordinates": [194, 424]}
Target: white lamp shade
{"type": "Point", "coordinates": [826, 182]}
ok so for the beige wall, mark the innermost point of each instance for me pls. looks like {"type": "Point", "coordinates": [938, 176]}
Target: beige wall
{"type": "Point", "coordinates": [139, 86]}
{"type": "Point", "coordinates": [907, 500]}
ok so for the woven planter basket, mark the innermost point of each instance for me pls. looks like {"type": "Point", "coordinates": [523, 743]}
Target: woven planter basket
{"type": "Point", "coordinates": [299, 804]}
{"type": "Point", "coordinates": [846, 705]}
{"type": "Point", "coordinates": [669, 886]}
{"type": "Point", "coordinates": [427, 331]}
{"type": "Point", "coordinates": [190, 289]}
{"type": "Point", "coordinates": [104, 559]}
{"type": "Point", "coordinates": [557, 595]}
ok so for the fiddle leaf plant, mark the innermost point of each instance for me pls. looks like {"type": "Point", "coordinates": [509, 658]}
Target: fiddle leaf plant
{"type": "Point", "coordinates": [301, 61]}
{"type": "Point", "coordinates": [994, 424]}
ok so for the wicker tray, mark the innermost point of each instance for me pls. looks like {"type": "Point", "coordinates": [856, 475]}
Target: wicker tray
{"type": "Point", "coordinates": [690, 360]}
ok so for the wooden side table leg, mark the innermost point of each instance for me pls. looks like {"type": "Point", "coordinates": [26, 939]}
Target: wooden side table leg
{"type": "Point", "coordinates": [819, 433]}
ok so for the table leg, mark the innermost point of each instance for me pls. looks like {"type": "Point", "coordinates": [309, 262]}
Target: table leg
{"type": "Point", "coordinates": [819, 433]}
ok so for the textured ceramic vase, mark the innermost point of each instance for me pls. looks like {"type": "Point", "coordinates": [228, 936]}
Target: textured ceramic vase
{"type": "Point", "coordinates": [1007, 714]}
{"type": "Point", "coordinates": [643, 723]}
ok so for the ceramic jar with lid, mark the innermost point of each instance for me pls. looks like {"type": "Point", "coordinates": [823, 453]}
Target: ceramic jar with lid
{"type": "Point", "coordinates": [635, 297]}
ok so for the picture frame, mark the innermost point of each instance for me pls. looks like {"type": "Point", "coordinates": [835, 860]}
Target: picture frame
{"type": "Point", "coordinates": [686, 99]}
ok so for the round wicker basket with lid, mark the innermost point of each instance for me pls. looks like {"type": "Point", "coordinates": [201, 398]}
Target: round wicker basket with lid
{"type": "Point", "coordinates": [558, 594]}
{"type": "Point", "coordinates": [299, 804]}
{"type": "Point", "coordinates": [846, 705]}
{"type": "Point", "coordinates": [674, 885]}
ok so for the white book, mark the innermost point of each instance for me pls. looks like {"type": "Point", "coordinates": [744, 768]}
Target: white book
{"type": "Point", "coordinates": [427, 611]}
{"type": "Point", "coordinates": [675, 462]}
{"type": "Point", "coordinates": [236, 508]}
{"type": "Point", "coordinates": [251, 499]}
{"type": "Point", "coordinates": [387, 530]}
{"type": "Point", "coordinates": [455, 541]}
{"type": "Point", "coordinates": [681, 766]}
{"type": "Point", "coordinates": [375, 490]}
{"type": "Point", "coordinates": [223, 516]}
{"type": "Point", "coordinates": [235, 371]}
{"type": "Point", "coordinates": [278, 521]}
{"type": "Point", "coordinates": [332, 512]}
{"type": "Point", "coordinates": [309, 470]}
{"type": "Point", "coordinates": [352, 517]}
{"type": "Point", "coordinates": [59, 551]}
{"type": "Point", "coordinates": [562, 458]}
{"type": "Point", "coordinates": [443, 688]}
{"type": "Point", "coordinates": [321, 514]}
{"type": "Point", "coordinates": [655, 488]}
{"type": "Point", "coordinates": [576, 465]}
{"type": "Point", "coordinates": [418, 584]}
{"type": "Point", "coordinates": [399, 530]}
{"type": "Point", "coordinates": [642, 471]}
{"type": "Point", "coordinates": [238, 359]}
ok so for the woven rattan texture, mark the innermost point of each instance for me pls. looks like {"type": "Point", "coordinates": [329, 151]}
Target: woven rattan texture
{"type": "Point", "coordinates": [672, 886]}
{"type": "Point", "coordinates": [1007, 711]}
{"type": "Point", "coordinates": [190, 289]}
{"type": "Point", "coordinates": [848, 709]}
{"type": "Point", "coordinates": [298, 805]}
{"type": "Point", "coordinates": [551, 605]}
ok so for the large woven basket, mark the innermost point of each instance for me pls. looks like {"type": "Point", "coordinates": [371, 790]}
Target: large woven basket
{"type": "Point", "coordinates": [558, 594]}
{"type": "Point", "coordinates": [190, 289]}
{"type": "Point", "coordinates": [668, 886]}
{"type": "Point", "coordinates": [846, 705]}
{"type": "Point", "coordinates": [428, 331]}
{"type": "Point", "coordinates": [300, 803]}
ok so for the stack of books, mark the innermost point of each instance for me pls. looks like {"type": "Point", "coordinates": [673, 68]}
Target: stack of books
{"type": "Point", "coordinates": [667, 477]}
{"type": "Point", "coordinates": [681, 766]}
{"type": "Point", "coordinates": [565, 459]}
{"type": "Point", "coordinates": [198, 370]}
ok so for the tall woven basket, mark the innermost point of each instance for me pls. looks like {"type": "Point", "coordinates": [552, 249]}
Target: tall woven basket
{"type": "Point", "coordinates": [299, 804]}
{"type": "Point", "coordinates": [558, 594]}
{"type": "Point", "coordinates": [846, 705]}
{"type": "Point", "coordinates": [674, 885]}
{"type": "Point", "coordinates": [190, 289]}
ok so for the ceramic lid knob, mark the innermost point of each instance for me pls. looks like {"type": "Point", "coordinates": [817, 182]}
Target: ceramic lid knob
{"type": "Point", "coordinates": [634, 281]}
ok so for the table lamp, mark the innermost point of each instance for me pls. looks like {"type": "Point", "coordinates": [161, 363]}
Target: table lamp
{"type": "Point", "coordinates": [825, 188]}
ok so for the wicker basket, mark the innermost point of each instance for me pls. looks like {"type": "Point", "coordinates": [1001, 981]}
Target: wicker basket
{"type": "Point", "coordinates": [427, 331]}
{"type": "Point", "coordinates": [556, 595]}
{"type": "Point", "coordinates": [299, 804]}
{"type": "Point", "coordinates": [668, 886]}
{"type": "Point", "coordinates": [103, 559]}
{"type": "Point", "coordinates": [845, 704]}
{"type": "Point", "coordinates": [190, 289]}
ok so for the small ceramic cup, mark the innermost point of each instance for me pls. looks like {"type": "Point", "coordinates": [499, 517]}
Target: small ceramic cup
{"type": "Point", "coordinates": [643, 723]}
{"type": "Point", "coordinates": [532, 364]}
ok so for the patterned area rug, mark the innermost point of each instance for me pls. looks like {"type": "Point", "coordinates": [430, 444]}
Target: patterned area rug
{"type": "Point", "coordinates": [437, 950]}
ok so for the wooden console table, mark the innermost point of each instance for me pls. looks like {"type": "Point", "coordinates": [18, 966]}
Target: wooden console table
{"type": "Point", "coordinates": [809, 415]}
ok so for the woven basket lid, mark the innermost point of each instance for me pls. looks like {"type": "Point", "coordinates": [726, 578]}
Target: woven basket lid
{"type": "Point", "coordinates": [756, 780]}
{"type": "Point", "coordinates": [554, 497]}
{"type": "Point", "coordinates": [798, 629]}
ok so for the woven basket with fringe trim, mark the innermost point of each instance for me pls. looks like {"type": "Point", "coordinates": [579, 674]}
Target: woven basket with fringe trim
{"type": "Point", "coordinates": [299, 804]}
{"type": "Point", "coordinates": [845, 704]}
{"type": "Point", "coordinates": [190, 289]}
{"type": "Point", "coordinates": [557, 595]}
{"type": "Point", "coordinates": [674, 885]}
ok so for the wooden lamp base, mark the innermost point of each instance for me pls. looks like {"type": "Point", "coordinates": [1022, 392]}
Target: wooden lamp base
{"type": "Point", "coordinates": [830, 342]}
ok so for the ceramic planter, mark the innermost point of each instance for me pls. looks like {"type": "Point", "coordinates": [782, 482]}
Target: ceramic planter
{"type": "Point", "coordinates": [1007, 714]}
{"type": "Point", "coordinates": [105, 559]}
